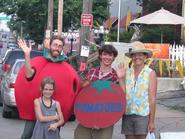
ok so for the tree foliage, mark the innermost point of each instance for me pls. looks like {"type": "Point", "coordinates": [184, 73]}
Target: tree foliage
{"type": "Point", "coordinates": [152, 34]}
{"type": "Point", "coordinates": [149, 6]}
{"type": "Point", "coordinates": [100, 10]}
{"type": "Point", "coordinates": [32, 15]}
{"type": "Point", "coordinates": [124, 36]}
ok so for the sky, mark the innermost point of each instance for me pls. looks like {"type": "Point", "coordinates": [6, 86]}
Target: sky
{"type": "Point", "coordinates": [125, 5]}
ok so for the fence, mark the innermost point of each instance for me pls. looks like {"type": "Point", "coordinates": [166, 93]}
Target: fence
{"type": "Point", "coordinates": [177, 52]}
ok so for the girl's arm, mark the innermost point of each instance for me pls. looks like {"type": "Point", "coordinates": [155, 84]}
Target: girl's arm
{"type": "Point", "coordinates": [60, 122]}
{"type": "Point", "coordinates": [152, 100]}
{"type": "Point", "coordinates": [60, 114]}
{"type": "Point", "coordinates": [38, 113]}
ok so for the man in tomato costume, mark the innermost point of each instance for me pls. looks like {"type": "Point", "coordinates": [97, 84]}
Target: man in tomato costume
{"type": "Point", "coordinates": [28, 80]}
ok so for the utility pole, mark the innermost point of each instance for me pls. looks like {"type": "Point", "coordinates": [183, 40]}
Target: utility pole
{"type": "Point", "coordinates": [85, 30]}
{"type": "Point", "coordinates": [21, 30]}
{"type": "Point", "coordinates": [60, 16]}
{"type": "Point", "coordinates": [183, 26]}
{"type": "Point", "coordinates": [50, 17]}
{"type": "Point", "coordinates": [119, 9]}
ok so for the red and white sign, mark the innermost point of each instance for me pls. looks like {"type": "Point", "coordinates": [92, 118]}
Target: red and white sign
{"type": "Point", "coordinates": [86, 20]}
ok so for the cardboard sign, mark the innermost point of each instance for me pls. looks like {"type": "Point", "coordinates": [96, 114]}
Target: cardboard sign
{"type": "Point", "coordinates": [84, 51]}
{"type": "Point", "coordinates": [100, 104]}
{"type": "Point", "coordinates": [83, 66]}
{"type": "Point", "coordinates": [48, 34]}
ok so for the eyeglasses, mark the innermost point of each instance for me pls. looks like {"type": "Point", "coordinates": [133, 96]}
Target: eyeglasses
{"type": "Point", "coordinates": [56, 45]}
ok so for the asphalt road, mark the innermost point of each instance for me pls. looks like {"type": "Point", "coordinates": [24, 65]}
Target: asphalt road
{"type": "Point", "coordinates": [12, 129]}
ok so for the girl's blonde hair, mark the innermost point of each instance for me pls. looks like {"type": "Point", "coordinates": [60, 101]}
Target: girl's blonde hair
{"type": "Point", "coordinates": [47, 80]}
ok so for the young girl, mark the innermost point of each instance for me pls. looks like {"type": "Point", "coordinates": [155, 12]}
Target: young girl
{"type": "Point", "coordinates": [48, 112]}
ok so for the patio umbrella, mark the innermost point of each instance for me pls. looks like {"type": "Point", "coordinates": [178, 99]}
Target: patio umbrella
{"type": "Point", "coordinates": [160, 17]}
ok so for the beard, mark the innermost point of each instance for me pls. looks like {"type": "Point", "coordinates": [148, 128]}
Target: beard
{"type": "Point", "coordinates": [55, 53]}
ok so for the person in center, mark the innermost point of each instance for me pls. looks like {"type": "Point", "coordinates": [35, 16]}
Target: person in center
{"type": "Point", "coordinates": [107, 54]}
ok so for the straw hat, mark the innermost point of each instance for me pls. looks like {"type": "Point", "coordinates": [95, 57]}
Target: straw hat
{"type": "Point", "coordinates": [138, 47]}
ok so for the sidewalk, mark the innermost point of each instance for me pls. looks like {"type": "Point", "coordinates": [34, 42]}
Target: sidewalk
{"type": "Point", "coordinates": [169, 120]}
{"type": "Point", "coordinates": [170, 114]}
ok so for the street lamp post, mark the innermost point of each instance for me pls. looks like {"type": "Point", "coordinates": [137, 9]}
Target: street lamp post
{"type": "Point", "coordinates": [21, 32]}
{"type": "Point", "coordinates": [99, 35]}
{"type": "Point", "coordinates": [71, 38]}
{"type": "Point", "coordinates": [21, 29]}
{"type": "Point", "coordinates": [71, 51]}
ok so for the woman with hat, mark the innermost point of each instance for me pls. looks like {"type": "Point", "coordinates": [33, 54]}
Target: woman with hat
{"type": "Point", "coordinates": [140, 85]}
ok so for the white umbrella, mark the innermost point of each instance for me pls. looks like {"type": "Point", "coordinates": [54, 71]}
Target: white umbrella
{"type": "Point", "coordinates": [160, 17]}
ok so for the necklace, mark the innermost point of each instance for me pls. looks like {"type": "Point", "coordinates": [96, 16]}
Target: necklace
{"type": "Point", "coordinates": [45, 104]}
{"type": "Point", "coordinates": [103, 74]}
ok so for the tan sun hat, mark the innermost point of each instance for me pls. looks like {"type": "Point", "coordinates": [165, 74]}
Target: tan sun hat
{"type": "Point", "coordinates": [138, 47]}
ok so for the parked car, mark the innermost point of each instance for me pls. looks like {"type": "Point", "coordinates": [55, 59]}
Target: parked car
{"type": "Point", "coordinates": [7, 89]}
{"type": "Point", "coordinates": [9, 59]}
{"type": "Point", "coordinates": [12, 45]}
{"type": "Point", "coordinates": [0, 83]}
{"type": "Point", "coordinates": [13, 54]}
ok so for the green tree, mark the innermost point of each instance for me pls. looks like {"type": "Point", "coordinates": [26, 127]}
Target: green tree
{"type": "Point", "coordinates": [149, 6]}
{"type": "Point", "coordinates": [100, 10]}
{"type": "Point", "coordinates": [152, 33]}
{"type": "Point", "coordinates": [32, 15]}
{"type": "Point", "coordinates": [124, 36]}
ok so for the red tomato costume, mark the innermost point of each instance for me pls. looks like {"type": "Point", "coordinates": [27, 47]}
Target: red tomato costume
{"type": "Point", "coordinates": [67, 86]}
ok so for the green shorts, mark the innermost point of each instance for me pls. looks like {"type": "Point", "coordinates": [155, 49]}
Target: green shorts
{"type": "Point", "coordinates": [134, 125]}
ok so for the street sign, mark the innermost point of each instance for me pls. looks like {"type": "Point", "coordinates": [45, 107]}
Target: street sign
{"type": "Point", "coordinates": [86, 20]}
{"type": "Point", "coordinates": [5, 18]}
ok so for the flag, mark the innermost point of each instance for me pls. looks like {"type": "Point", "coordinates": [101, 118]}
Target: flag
{"type": "Point", "coordinates": [128, 19]}
{"type": "Point", "coordinates": [160, 67]}
{"type": "Point", "coordinates": [97, 24]}
{"type": "Point", "coordinates": [149, 61]}
{"type": "Point", "coordinates": [168, 67]}
{"type": "Point", "coordinates": [109, 23]}
{"type": "Point", "coordinates": [180, 68]}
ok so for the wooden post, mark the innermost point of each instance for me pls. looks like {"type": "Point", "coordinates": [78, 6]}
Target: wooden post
{"type": "Point", "coordinates": [50, 16]}
{"type": "Point", "coordinates": [60, 16]}
{"type": "Point", "coordinates": [85, 30]}
{"type": "Point", "coordinates": [183, 26]}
